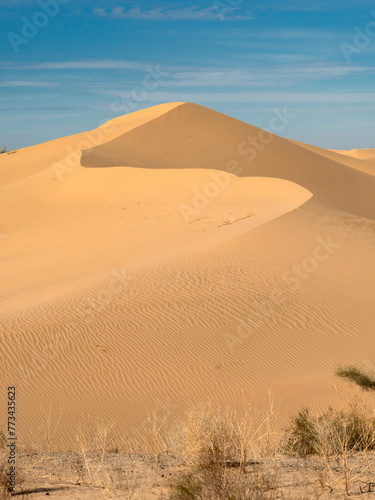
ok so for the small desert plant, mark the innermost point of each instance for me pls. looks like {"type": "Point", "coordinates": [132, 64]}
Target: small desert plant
{"type": "Point", "coordinates": [198, 485]}
{"type": "Point", "coordinates": [94, 470]}
{"type": "Point", "coordinates": [80, 470]}
{"type": "Point", "coordinates": [356, 376]}
{"type": "Point", "coordinates": [328, 433]}
{"type": "Point", "coordinates": [339, 440]}
{"type": "Point", "coordinates": [302, 436]}
{"type": "Point", "coordinates": [3, 150]}
{"type": "Point", "coordinates": [217, 445]}
{"type": "Point", "coordinates": [4, 484]}
{"type": "Point", "coordinates": [187, 486]}
{"type": "Point", "coordinates": [93, 450]}
{"type": "Point", "coordinates": [212, 437]}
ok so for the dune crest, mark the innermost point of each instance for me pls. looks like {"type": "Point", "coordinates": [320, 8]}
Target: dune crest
{"type": "Point", "coordinates": [190, 136]}
{"type": "Point", "coordinates": [361, 154]}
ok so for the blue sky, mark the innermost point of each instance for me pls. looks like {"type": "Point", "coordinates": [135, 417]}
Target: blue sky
{"type": "Point", "coordinates": [70, 65]}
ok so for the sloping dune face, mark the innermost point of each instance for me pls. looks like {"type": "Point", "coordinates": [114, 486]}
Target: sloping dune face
{"type": "Point", "coordinates": [191, 136]}
{"type": "Point", "coordinates": [177, 256]}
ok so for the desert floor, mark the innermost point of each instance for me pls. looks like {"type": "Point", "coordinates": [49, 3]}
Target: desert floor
{"type": "Point", "coordinates": [136, 476]}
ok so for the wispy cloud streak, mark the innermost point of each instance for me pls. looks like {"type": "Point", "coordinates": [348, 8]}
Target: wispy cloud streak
{"type": "Point", "coordinates": [27, 83]}
{"type": "Point", "coordinates": [259, 97]}
{"type": "Point", "coordinates": [165, 13]}
{"type": "Point", "coordinates": [83, 64]}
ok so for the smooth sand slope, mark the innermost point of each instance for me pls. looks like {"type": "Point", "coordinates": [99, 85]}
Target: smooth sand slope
{"type": "Point", "coordinates": [161, 261]}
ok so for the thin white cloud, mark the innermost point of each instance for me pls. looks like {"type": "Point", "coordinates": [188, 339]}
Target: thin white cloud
{"type": "Point", "coordinates": [27, 83]}
{"type": "Point", "coordinates": [298, 6]}
{"type": "Point", "coordinates": [276, 76]}
{"type": "Point", "coordinates": [84, 64]}
{"type": "Point", "coordinates": [165, 13]}
{"type": "Point", "coordinates": [179, 81]}
{"type": "Point", "coordinates": [259, 97]}
{"type": "Point", "coordinates": [177, 76]}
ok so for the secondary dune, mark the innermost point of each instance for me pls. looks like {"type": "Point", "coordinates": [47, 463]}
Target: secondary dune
{"type": "Point", "coordinates": [175, 256]}
{"type": "Point", "coordinates": [364, 158]}
{"type": "Point", "coordinates": [361, 154]}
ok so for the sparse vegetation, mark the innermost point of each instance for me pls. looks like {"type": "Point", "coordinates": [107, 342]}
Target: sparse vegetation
{"type": "Point", "coordinates": [338, 440]}
{"type": "Point", "coordinates": [358, 377]}
{"type": "Point", "coordinates": [302, 438]}
{"type": "Point", "coordinates": [217, 445]}
{"type": "Point", "coordinates": [214, 454]}
{"type": "Point", "coordinates": [4, 487]}
{"type": "Point", "coordinates": [328, 433]}
{"type": "Point", "coordinates": [5, 150]}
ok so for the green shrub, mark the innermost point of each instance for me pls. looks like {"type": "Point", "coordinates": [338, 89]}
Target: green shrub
{"type": "Point", "coordinates": [354, 375]}
{"type": "Point", "coordinates": [187, 486]}
{"type": "Point", "coordinates": [302, 437]}
{"type": "Point", "coordinates": [331, 433]}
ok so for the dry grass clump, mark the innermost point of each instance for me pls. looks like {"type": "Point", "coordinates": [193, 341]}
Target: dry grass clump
{"type": "Point", "coordinates": [93, 448]}
{"type": "Point", "coordinates": [93, 469]}
{"type": "Point", "coordinates": [327, 434]}
{"type": "Point", "coordinates": [211, 435]}
{"type": "Point", "coordinates": [340, 442]}
{"type": "Point", "coordinates": [218, 446]}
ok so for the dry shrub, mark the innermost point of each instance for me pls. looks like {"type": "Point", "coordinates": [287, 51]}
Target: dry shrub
{"type": "Point", "coordinates": [332, 431]}
{"type": "Point", "coordinates": [213, 436]}
{"type": "Point", "coordinates": [218, 444]}
{"type": "Point", "coordinates": [4, 485]}
{"type": "Point", "coordinates": [340, 442]}
{"type": "Point", "coordinates": [93, 448]}
{"type": "Point", "coordinates": [92, 468]}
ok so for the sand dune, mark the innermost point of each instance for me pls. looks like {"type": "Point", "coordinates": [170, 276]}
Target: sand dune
{"type": "Point", "coordinates": [366, 157]}
{"type": "Point", "coordinates": [188, 136]}
{"type": "Point", "coordinates": [161, 261]}
{"type": "Point", "coordinates": [362, 154]}
{"type": "Point", "coordinates": [355, 162]}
